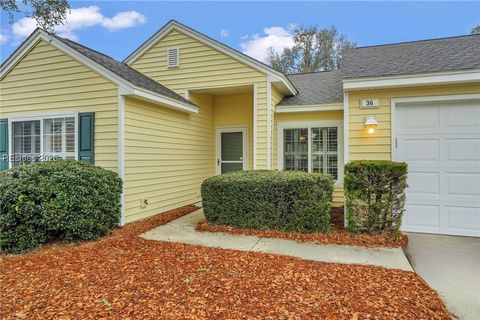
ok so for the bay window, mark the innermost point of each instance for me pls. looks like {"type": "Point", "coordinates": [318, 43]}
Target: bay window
{"type": "Point", "coordinates": [43, 138]}
{"type": "Point", "coordinates": [311, 147]}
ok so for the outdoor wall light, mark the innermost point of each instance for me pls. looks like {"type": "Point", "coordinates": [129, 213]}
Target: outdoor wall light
{"type": "Point", "coordinates": [371, 124]}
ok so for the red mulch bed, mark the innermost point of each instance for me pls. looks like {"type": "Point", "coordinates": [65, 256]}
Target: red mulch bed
{"type": "Point", "coordinates": [339, 235]}
{"type": "Point", "coordinates": [123, 276]}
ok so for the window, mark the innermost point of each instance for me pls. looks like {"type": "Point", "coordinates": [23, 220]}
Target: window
{"type": "Point", "coordinates": [43, 139]}
{"type": "Point", "coordinates": [310, 148]}
{"type": "Point", "coordinates": [295, 149]}
{"type": "Point", "coordinates": [173, 57]}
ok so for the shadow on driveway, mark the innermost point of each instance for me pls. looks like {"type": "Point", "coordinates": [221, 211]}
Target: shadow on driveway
{"type": "Point", "coordinates": [450, 265]}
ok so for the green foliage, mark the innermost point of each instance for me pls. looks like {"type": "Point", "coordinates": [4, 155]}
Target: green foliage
{"type": "Point", "coordinates": [47, 13]}
{"type": "Point", "coordinates": [313, 50]}
{"type": "Point", "coordinates": [62, 199]}
{"type": "Point", "coordinates": [375, 195]}
{"type": "Point", "coordinates": [287, 201]}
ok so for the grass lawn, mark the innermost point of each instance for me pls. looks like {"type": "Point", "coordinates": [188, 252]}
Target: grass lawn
{"type": "Point", "coordinates": [126, 277]}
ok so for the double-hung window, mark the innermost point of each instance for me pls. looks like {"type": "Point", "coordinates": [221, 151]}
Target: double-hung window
{"type": "Point", "coordinates": [43, 138]}
{"type": "Point", "coordinates": [311, 147]}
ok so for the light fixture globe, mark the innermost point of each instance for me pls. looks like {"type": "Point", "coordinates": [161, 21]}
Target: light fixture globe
{"type": "Point", "coordinates": [371, 124]}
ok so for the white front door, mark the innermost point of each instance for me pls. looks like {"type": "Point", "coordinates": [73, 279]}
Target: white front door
{"type": "Point", "coordinates": [231, 150]}
{"type": "Point", "coordinates": [441, 144]}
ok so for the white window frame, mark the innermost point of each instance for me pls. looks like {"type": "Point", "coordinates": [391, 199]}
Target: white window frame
{"type": "Point", "coordinates": [39, 117]}
{"type": "Point", "coordinates": [220, 130]}
{"type": "Point", "coordinates": [177, 64]}
{"type": "Point", "coordinates": [281, 126]}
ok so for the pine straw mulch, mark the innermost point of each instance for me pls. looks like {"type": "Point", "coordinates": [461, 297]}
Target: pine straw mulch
{"type": "Point", "coordinates": [338, 235]}
{"type": "Point", "coordinates": [123, 276]}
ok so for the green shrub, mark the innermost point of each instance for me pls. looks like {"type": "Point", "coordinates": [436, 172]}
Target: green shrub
{"type": "Point", "coordinates": [375, 195]}
{"type": "Point", "coordinates": [62, 199]}
{"type": "Point", "coordinates": [287, 201]}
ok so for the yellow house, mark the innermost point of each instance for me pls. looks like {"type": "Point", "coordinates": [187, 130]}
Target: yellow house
{"type": "Point", "coordinates": [184, 107]}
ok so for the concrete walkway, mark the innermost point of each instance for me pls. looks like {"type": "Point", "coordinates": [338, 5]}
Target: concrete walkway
{"type": "Point", "coordinates": [450, 265]}
{"type": "Point", "coordinates": [182, 230]}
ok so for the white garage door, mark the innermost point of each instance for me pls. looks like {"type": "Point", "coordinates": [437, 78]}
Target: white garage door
{"type": "Point", "coordinates": [441, 144]}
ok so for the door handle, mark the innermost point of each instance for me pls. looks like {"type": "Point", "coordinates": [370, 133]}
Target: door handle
{"type": "Point", "coordinates": [218, 162]}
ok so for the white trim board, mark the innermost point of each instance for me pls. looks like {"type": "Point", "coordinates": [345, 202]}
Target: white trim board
{"type": "Point", "coordinates": [175, 25]}
{"type": "Point", "coordinates": [255, 126]}
{"type": "Point", "coordinates": [422, 79]}
{"type": "Point", "coordinates": [121, 153]}
{"type": "Point", "coordinates": [281, 125]}
{"type": "Point", "coordinates": [310, 108]}
{"type": "Point", "coordinates": [124, 86]}
{"type": "Point", "coordinates": [269, 123]}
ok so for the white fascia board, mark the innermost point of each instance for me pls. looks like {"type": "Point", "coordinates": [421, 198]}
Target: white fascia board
{"type": "Point", "coordinates": [436, 78]}
{"type": "Point", "coordinates": [309, 108]}
{"type": "Point", "coordinates": [174, 25]}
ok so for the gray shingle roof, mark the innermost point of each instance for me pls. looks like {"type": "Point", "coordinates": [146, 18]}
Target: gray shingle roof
{"type": "Point", "coordinates": [124, 71]}
{"type": "Point", "coordinates": [446, 54]}
{"type": "Point", "coordinates": [315, 88]}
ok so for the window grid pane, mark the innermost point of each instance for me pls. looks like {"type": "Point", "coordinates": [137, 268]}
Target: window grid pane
{"type": "Point", "coordinates": [325, 151]}
{"type": "Point", "coordinates": [296, 149]}
{"type": "Point", "coordinates": [26, 142]}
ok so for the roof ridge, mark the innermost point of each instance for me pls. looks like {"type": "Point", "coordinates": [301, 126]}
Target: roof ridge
{"type": "Point", "coordinates": [314, 72]}
{"type": "Point", "coordinates": [415, 41]}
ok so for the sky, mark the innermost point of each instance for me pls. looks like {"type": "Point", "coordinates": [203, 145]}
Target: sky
{"type": "Point", "coordinates": [117, 28]}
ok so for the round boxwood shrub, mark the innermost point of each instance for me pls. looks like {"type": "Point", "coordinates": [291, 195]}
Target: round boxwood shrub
{"type": "Point", "coordinates": [375, 195]}
{"type": "Point", "coordinates": [62, 199]}
{"type": "Point", "coordinates": [280, 200]}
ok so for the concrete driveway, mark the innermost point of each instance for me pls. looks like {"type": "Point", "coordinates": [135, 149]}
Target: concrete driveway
{"type": "Point", "coordinates": [450, 265]}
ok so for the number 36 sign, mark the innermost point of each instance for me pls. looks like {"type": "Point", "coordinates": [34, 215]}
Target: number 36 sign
{"type": "Point", "coordinates": [369, 103]}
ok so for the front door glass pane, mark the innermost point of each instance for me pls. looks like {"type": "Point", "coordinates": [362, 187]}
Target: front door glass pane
{"type": "Point", "coordinates": [232, 146]}
{"type": "Point", "coordinates": [229, 167]}
{"type": "Point", "coordinates": [231, 158]}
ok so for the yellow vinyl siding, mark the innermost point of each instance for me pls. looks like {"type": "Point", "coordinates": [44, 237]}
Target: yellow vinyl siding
{"type": "Point", "coordinates": [167, 155]}
{"type": "Point", "coordinates": [235, 110]}
{"type": "Point", "coordinates": [203, 68]}
{"type": "Point", "coordinates": [363, 146]}
{"type": "Point", "coordinates": [48, 81]}
{"type": "Point", "coordinates": [338, 197]}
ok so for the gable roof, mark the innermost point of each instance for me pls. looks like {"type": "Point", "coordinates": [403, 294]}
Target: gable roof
{"type": "Point", "coordinates": [123, 70]}
{"type": "Point", "coordinates": [131, 81]}
{"type": "Point", "coordinates": [434, 55]}
{"type": "Point", "coordinates": [276, 76]}
{"type": "Point", "coordinates": [315, 88]}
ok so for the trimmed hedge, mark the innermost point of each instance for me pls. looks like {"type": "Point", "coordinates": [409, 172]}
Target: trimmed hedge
{"type": "Point", "coordinates": [375, 195]}
{"type": "Point", "coordinates": [61, 199]}
{"type": "Point", "coordinates": [280, 200]}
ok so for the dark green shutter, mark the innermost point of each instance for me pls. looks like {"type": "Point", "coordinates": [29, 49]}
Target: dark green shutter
{"type": "Point", "coordinates": [3, 144]}
{"type": "Point", "coordinates": [86, 124]}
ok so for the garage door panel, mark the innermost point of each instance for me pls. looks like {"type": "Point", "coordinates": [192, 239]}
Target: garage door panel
{"type": "Point", "coordinates": [422, 149]}
{"type": "Point", "coordinates": [441, 144]}
{"type": "Point", "coordinates": [424, 182]}
{"type": "Point", "coordinates": [463, 184]}
{"type": "Point", "coordinates": [463, 116]}
{"type": "Point", "coordinates": [418, 119]}
{"type": "Point", "coordinates": [463, 149]}
{"type": "Point", "coordinates": [422, 216]}
{"type": "Point", "coordinates": [463, 218]}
